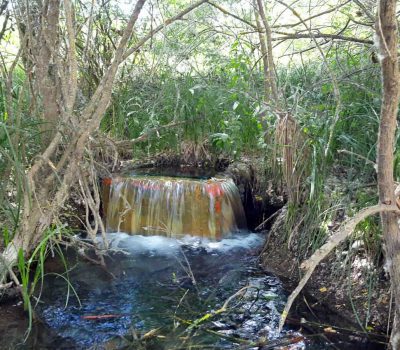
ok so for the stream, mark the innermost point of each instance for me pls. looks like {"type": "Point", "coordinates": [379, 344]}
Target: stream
{"type": "Point", "coordinates": [161, 283]}
{"type": "Point", "coordinates": [162, 293]}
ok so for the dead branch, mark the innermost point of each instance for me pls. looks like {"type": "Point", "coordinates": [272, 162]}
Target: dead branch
{"type": "Point", "coordinates": [288, 36]}
{"type": "Point", "coordinates": [368, 161]}
{"type": "Point", "coordinates": [268, 219]}
{"type": "Point", "coordinates": [345, 231]}
{"type": "Point", "coordinates": [333, 9]}
{"type": "Point", "coordinates": [122, 145]}
{"type": "Point", "coordinates": [166, 23]}
{"type": "Point", "coordinates": [226, 12]}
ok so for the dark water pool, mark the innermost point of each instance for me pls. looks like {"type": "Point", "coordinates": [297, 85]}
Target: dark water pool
{"type": "Point", "coordinates": [161, 293]}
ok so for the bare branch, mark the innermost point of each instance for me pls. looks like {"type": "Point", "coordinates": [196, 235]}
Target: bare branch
{"type": "Point", "coordinates": [146, 135]}
{"type": "Point", "coordinates": [312, 17]}
{"type": "Point", "coordinates": [288, 36]}
{"type": "Point", "coordinates": [226, 12]}
{"type": "Point", "coordinates": [166, 23]}
{"type": "Point", "coordinates": [311, 263]}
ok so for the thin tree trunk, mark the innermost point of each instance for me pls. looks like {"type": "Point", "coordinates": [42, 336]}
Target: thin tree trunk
{"type": "Point", "coordinates": [46, 190]}
{"type": "Point", "coordinates": [386, 29]}
{"type": "Point", "coordinates": [45, 50]}
{"type": "Point", "coordinates": [264, 55]}
{"type": "Point", "coordinates": [271, 65]}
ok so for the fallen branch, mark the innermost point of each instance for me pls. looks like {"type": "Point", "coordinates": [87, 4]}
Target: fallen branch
{"type": "Point", "coordinates": [102, 317]}
{"type": "Point", "coordinates": [345, 151]}
{"type": "Point", "coordinates": [346, 230]}
{"type": "Point", "coordinates": [267, 220]}
{"type": "Point", "coordinates": [221, 310]}
{"type": "Point", "coordinates": [146, 135]}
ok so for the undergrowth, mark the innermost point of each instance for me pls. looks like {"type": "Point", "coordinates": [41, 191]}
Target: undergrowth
{"type": "Point", "coordinates": [222, 111]}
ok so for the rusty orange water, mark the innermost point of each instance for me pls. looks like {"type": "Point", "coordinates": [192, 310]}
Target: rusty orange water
{"type": "Point", "coordinates": [169, 206]}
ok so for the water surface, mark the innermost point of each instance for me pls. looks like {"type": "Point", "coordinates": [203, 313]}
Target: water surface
{"type": "Point", "coordinates": [167, 284]}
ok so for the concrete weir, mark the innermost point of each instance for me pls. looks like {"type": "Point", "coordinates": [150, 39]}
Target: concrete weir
{"type": "Point", "coordinates": [172, 206]}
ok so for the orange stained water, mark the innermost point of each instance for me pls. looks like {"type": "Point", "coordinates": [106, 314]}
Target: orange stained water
{"type": "Point", "coordinates": [168, 206]}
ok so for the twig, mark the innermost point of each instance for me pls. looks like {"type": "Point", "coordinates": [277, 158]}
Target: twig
{"type": "Point", "coordinates": [358, 156]}
{"type": "Point", "coordinates": [268, 219]}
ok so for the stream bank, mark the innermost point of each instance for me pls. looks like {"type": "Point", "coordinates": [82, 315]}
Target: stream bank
{"type": "Point", "coordinates": [237, 267]}
{"type": "Point", "coordinates": [354, 295]}
{"type": "Point", "coordinates": [346, 285]}
{"type": "Point", "coordinates": [332, 286]}
{"type": "Point", "coordinates": [329, 297]}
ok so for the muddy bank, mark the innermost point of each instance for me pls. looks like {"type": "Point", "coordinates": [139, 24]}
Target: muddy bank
{"type": "Point", "coordinates": [361, 302]}
{"type": "Point", "coordinates": [358, 302]}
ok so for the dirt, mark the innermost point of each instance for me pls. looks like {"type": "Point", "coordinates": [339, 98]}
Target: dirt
{"type": "Point", "coordinates": [331, 288]}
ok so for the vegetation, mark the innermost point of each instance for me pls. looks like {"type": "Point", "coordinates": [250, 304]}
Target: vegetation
{"type": "Point", "coordinates": [85, 84]}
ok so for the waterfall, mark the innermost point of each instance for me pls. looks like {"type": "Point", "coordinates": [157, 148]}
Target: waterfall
{"type": "Point", "coordinates": [172, 206]}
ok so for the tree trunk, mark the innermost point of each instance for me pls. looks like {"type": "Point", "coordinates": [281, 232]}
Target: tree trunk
{"type": "Point", "coordinates": [41, 49]}
{"type": "Point", "coordinates": [271, 76]}
{"type": "Point", "coordinates": [49, 179]}
{"type": "Point", "coordinates": [386, 34]}
{"type": "Point", "coordinates": [264, 55]}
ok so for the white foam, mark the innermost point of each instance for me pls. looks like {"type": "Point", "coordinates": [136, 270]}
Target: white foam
{"type": "Point", "coordinates": [242, 241]}
{"type": "Point", "coordinates": [167, 246]}
{"type": "Point", "coordinates": [143, 244]}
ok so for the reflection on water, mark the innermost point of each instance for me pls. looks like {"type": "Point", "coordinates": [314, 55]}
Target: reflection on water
{"type": "Point", "coordinates": [161, 282]}
{"type": "Point", "coordinates": [165, 284]}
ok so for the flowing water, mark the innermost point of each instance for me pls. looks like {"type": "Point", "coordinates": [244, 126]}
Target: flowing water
{"type": "Point", "coordinates": [172, 206]}
{"type": "Point", "coordinates": [168, 284]}
{"type": "Point", "coordinates": [173, 287]}
{"type": "Point", "coordinates": [163, 292]}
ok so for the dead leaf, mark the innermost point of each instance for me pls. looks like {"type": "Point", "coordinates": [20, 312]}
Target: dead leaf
{"type": "Point", "coordinates": [329, 330]}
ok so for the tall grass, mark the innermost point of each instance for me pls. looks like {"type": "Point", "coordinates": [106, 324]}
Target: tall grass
{"type": "Point", "coordinates": [214, 109]}
{"type": "Point", "coordinates": [20, 142]}
{"type": "Point", "coordinates": [334, 180]}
